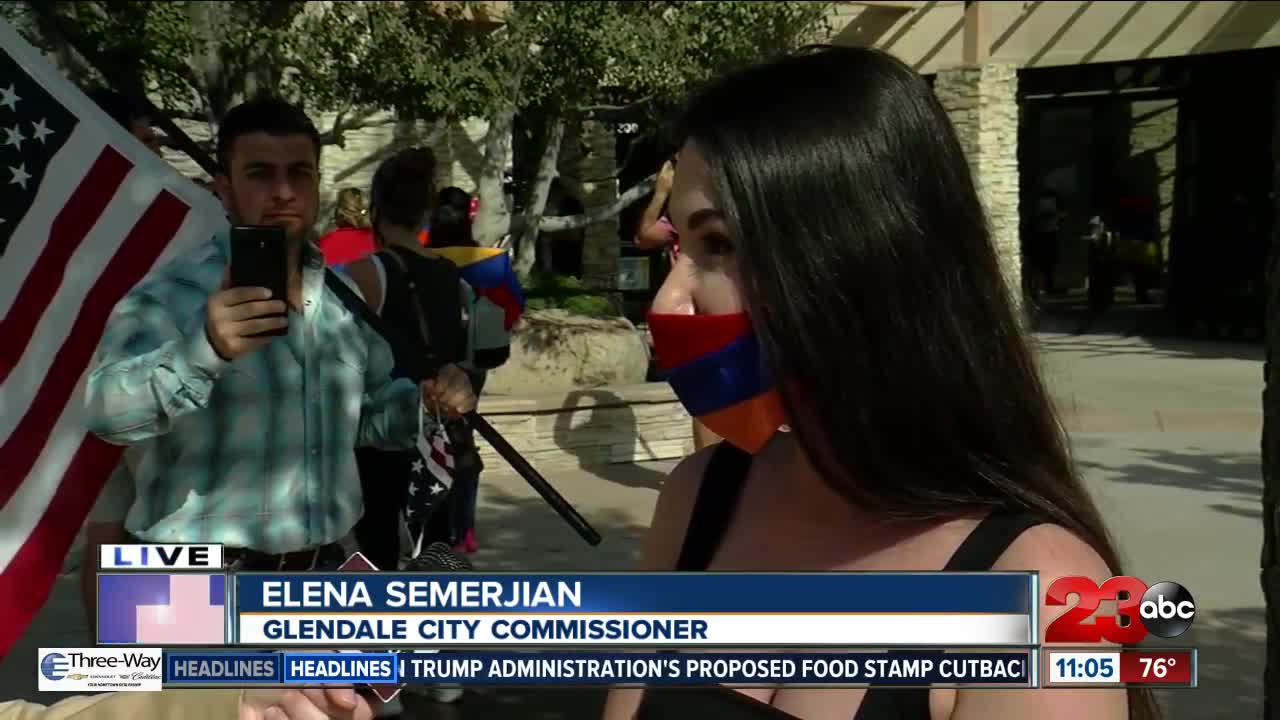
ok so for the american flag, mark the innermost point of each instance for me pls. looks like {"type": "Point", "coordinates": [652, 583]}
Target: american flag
{"type": "Point", "coordinates": [431, 479]}
{"type": "Point", "coordinates": [85, 212]}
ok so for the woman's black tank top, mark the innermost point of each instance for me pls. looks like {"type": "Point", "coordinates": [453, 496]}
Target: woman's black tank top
{"type": "Point", "coordinates": [722, 485]}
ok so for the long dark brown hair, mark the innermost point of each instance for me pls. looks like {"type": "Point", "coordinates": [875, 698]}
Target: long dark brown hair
{"type": "Point", "coordinates": [870, 272]}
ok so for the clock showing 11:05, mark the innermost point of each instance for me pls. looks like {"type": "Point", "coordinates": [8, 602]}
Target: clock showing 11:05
{"type": "Point", "coordinates": [1084, 667]}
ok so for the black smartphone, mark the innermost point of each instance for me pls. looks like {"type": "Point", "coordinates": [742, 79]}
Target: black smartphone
{"type": "Point", "coordinates": [258, 259]}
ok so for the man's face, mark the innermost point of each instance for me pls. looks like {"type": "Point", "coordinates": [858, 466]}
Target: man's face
{"type": "Point", "coordinates": [141, 129]}
{"type": "Point", "coordinates": [272, 180]}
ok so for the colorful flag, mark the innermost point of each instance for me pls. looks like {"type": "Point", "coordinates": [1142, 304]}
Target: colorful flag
{"type": "Point", "coordinates": [488, 270]}
{"type": "Point", "coordinates": [86, 211]}
{"type": "Point", "coordinates": [715, 367]}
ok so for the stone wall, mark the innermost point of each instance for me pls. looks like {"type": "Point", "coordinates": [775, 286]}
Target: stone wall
{"type": "Point", "coordinates": [458, 145]}
{"type": "Point", "coordinates": [588, 168]}
{"type": "Point", "coordinates": [584, 428]}
{"type": "Point", "coordinates": [556, 351]}
{"type": "Point", "coordinates": [1153, 154]}
{"type": "Point", "coordinates": [983, 104]}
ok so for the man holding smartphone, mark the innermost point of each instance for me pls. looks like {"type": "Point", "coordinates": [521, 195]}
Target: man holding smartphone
{"type": "Point", "coordinates": [248, 439]}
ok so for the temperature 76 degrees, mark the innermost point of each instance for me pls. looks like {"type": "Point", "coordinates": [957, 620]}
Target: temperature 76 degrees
{"type": "Point", "coordinates": [1143, 667]}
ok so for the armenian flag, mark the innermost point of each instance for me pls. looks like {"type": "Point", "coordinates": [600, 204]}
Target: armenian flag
{"type": "Point", "coordinates": [488, 271]}
{"type": "Point", "coordinates": [715, 367]}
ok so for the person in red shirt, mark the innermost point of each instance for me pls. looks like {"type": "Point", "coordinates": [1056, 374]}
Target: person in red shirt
{"type": "Point", "coordinates": [353, 239]}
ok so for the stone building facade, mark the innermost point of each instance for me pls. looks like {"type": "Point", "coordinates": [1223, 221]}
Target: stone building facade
{"type": "Point", "coordinates": [982, 101]}
{"type": "Point", "coordinates": [1153, 145]}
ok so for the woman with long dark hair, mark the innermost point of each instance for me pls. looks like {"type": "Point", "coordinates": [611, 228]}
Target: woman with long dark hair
{"type": "Point", "coordinates": [451, 219]}
{"type": "Point", "coordinates": [882, 407]}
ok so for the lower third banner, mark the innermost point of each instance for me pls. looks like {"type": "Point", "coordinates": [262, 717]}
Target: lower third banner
{"type": "Point", "coordinates": [903, 668]}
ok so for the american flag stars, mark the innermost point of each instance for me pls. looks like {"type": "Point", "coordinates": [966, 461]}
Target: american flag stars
{"type": "Point", "coordinates": [20, 175]}
{"type": "Point", "coordinates": [14, 138]}
{"type": "Point", "coordinates": [9, 98]}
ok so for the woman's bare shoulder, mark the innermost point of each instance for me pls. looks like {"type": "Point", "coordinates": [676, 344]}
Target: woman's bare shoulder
{"type": "Point", "coordinates": [1054, 551]}
{"type": "Point", "coordinates": [673, 510]}
{"type": "Point", "coordinates": [365, 275]}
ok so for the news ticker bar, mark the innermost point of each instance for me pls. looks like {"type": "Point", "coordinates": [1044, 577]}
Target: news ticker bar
{"type": "Point", "coordinates": [717, 610]}
{"type": "Point", "coordinates": [1120, 667]}
{"type": "Point", "coordinates": [1007, 669]}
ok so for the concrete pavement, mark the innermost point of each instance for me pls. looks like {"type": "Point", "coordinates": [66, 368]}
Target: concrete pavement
{"type": "Point", "coordinates": [1181, 497]}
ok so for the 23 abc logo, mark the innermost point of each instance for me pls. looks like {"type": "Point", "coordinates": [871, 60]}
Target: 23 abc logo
{"type": "Point", "coordinates": [1166, 609]}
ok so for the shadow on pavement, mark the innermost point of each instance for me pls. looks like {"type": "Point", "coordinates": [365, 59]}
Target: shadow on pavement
{"type": "Point", "coordinates": [1106, 345]}
{"type": "Point", "coordinates": [1069, 320]}
{"type": "Point", "coordinates": [608, 412]}
{"type": "Point", "coordinates": [1232, 644]}
{"type": "Point", "coordinates": [523, 533]}
{"type": "Point", "coordinates": [1237, 476]}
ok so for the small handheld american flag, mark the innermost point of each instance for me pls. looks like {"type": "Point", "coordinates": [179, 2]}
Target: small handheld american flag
{"type": "Point", "coordinates": [432, 478]}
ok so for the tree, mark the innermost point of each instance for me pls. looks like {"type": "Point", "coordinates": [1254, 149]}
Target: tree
{"type": "Point", "coordinates": [198, 59]}
{"type": "Point", "coordinates": [553, 64]}
{"type": "Point", "coordinates": [556, 64]}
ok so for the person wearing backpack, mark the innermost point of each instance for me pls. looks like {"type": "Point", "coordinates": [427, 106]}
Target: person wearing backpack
{"type": "Point", "coordinates": [420, 296]}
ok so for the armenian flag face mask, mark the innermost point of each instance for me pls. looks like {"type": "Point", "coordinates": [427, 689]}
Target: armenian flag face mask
{"type": "Point", "coordinates": [714, 365]}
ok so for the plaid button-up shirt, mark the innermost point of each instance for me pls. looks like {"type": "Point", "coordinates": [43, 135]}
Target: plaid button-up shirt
{"type": "Point", "coordinates": [257, 453]}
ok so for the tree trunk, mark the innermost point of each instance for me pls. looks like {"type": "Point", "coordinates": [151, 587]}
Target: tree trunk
{"type": "Point", "coordinates": [1271, 462]}
{"type": "Point", "coordinates": [527, 247]}
{"type": "Point", "coordinates": [493, 217]}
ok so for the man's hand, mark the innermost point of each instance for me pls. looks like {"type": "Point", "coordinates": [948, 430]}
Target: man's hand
{"type": "Point", "coordinates": [306, 704]}
{"type": "Point", "coordinates": [449, 392]}
{"type": "Point", "coordinates": [234, 314]}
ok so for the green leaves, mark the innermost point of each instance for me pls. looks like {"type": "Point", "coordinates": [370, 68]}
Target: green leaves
{"type": "Point", "coordinates": [427, 59]}
{"type": "Point", "coordinates": [558, 56]}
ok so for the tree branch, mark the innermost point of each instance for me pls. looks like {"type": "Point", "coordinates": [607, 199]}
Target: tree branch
{"type": "Point", "coordinates": [177, 138]}
{"type": "Point", "coordinates": [604, 112]}
{"type": "Point", "coordinates": [600, 214]}
{"type": "Point", "coordinates": [190, 115]}
{"type": "Point", "coordinates": [636, 142]}
{"type": "Point", "coordinates": [336, 134]}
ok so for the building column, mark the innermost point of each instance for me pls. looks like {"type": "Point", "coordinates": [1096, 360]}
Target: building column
{"type": "Point", "coordinates": [589, 163]}
{"type": "Point", "coordinates": [982, 101]}
{"type": "Point", "coordinates": [1270, 575]}
{"type": "Point", "coordinates": [1153, 138]}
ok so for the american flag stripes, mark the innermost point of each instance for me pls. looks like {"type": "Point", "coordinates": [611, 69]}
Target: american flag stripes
{"type": "Point", "coordinates": [86, 211]}
{"type": "Point", "coordinates": [431, 479]}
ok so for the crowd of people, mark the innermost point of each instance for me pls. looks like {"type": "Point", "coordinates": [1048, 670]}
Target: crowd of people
{"type": "Point", "coordinates": [831, 224]}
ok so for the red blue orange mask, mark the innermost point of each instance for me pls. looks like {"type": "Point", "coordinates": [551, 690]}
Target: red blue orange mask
{"type": "Point", "coordinates": [715, 367]}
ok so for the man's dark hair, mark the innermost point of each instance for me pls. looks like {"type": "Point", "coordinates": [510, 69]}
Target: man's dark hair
{"type": "Point", "coordinates": [120, 107]}
{"type": "Point", "coordinates": [266, 114]}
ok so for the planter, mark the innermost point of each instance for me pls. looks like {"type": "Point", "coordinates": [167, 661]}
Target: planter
{"type": "Point", "coordinates": [556, 351]}
{"type": "Point", "coordinates": [590, 427]}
